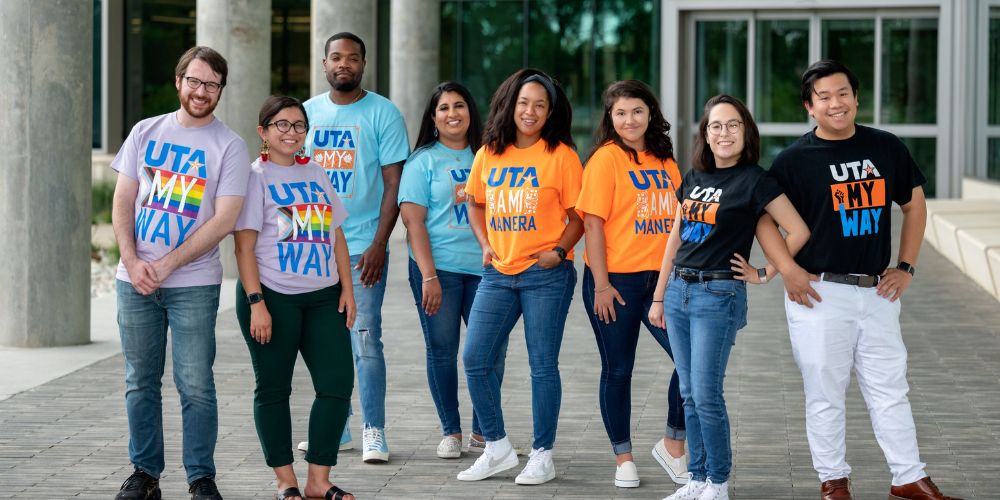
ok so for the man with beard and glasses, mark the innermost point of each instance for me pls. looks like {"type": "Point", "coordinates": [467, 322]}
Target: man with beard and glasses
{"type": "Point", "coordinates": [182, 179]}
{"type": "Point", "coordinates": [359, 138]}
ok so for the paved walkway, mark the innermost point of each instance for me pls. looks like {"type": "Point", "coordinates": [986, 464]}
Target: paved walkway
{"type": "Point", "coordinates": [67, 438]}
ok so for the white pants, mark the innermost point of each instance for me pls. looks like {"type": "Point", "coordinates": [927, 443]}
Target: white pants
{"type": "Point", "coordinates": [853, 326]}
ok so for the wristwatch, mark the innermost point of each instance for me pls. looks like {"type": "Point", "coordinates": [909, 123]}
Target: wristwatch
{"type": "Point", "coordinates": [561, 251]}
{"type": "Point", "coordinates": [253, 298]}
{"type": "Point", "coordinates": [762, 274]}
{"type": "Point", "coordinates": [907, 267]}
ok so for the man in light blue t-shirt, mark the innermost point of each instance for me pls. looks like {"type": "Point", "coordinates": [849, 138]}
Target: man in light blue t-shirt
{"type": "Point", "coordinates": [359, 138]}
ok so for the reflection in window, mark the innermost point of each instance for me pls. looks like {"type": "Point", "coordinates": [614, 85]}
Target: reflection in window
{"type": "Point", "coordinates": [585, 44]}
{"type": "Point", "coordinates": [852, 42]}
{"type": "Point", "coordinates": [924, 152]}
{"type": "Point", "coordinates": [782, 55]}
{"type": "Point", "coordinates": [720, 61]}
{"type": "Point", "coordinates": [771, 145]}
{"type": "Point", "coordinates": [290, 35]}
{"type": "Point", "coordinates": [909, 70]}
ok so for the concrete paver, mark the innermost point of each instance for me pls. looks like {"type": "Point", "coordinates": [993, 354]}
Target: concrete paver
{"type": "Point", "coordinates": [68, 438]}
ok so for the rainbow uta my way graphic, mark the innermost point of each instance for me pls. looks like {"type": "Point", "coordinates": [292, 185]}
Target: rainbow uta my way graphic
{"type": "Point", "coordinates": [174, 192]}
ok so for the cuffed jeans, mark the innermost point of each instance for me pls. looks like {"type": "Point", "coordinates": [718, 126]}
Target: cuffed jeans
{"type": "Point", "coordinates": [854, 327]}
{"type": "Point", "coordinates": [702, 320]}
{"type": "Point", "coordinates": [441, 337]}
{"type": "Point", "coordinates": [366, 343]}
{"type": "Point", "coordinates": [543, 297]}
{"type": "Point", "coordinates": [616, 341]}
{"type": "Point", "coordinates": [143, 320]}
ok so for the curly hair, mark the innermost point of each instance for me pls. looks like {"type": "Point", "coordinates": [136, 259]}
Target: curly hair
{"type": "Point", "coordinates": [657, 134]}
{"type": "Point", "coordinates": [500, 130]}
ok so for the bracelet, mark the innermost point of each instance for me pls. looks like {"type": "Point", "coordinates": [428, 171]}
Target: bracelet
{"type": "Point", "coordinates": [657, 301]}
{"type": "Point", "coordinates": [602, 290]}
{"type": "Point", "coordinates": [432, 278]}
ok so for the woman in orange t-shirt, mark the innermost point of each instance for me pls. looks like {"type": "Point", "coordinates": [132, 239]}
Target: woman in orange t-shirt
{"type": "Point", "coordinates": [524, 183]}
{"type": "Point", "coordinates": [628, 202]}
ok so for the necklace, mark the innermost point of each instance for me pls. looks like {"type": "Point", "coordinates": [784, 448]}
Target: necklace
{"type": "Point", "coordinates": [361, 92]}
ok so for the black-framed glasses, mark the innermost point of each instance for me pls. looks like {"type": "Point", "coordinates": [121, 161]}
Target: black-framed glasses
{"type": "Point", "coordinates": [285, 125]}
{"type": "Point", "coordinates": [210, 87]}
{"type": "Point", "coordinates": [733, 126]}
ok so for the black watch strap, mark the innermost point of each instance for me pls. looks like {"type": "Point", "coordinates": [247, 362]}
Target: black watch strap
{"type": "Point", "coordinates": [907, 267]}
{"type": "Point", "coordinates": [561, 251]}
{"type": "Point", "coordinates": [253, 298]}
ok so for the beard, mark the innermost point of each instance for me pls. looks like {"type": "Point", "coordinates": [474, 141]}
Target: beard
{"type": "Point", "coordinates": [189, 108]}
{"type": "Point", "coordinates": [343, 86]}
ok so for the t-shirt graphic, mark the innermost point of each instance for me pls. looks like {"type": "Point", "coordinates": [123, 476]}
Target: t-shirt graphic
{"type": "Point", "coordinates": [655, 200]}
{"type": "Point", "coordinates": [180, 173]}
{"type": "Point", "coordinates": [514, 200]}
{"type": "Point", "coordinates": [858, 196]}
{"type": "Point", "coordinates": [698, 211]}
{"type": "Point", "coordinates": [304, 246]}
{"type": "Point", "coordinates": [335, 148]}
{"type": "Point", "coordinates": [459, 210]}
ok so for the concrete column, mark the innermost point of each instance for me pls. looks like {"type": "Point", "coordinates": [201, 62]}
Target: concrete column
{"type": "Point", "coordinates": [413, 59]}
{"type": "Point", "coordinates": [333, 16]}
{"type": "Point", "coordinates": [241, 31]}
{"type": "Point", "coordinates": [46, 99]}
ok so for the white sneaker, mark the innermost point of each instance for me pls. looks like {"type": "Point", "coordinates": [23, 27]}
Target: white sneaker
{"type": "Point", "coordinates": [476, 446]}
{"type": "Point", "coordinates": [346, 442]}
{"type": "Point", "coordinates": [376, 450]}
{"type": "Point", "coordinates": [449, 447]}
{"type": "Point", "coordinates": [497, 457]}
{"type": "Point", "coordinates": [676, 467]}
{"type": "Point", "coordinates": [626, 476]}
{"type": "Point", "coordinates": [539, 469]}
{"type": "Point", "coordinates": [692, 490]}
{"type": "Point", "coordinates": [715, 491]}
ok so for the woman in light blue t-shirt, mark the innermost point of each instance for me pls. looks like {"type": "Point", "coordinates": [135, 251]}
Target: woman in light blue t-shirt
{"type": "Point", "coordinates": [445, 258]}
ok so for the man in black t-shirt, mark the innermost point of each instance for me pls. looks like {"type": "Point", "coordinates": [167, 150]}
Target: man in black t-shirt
{"type": "Point", "coordinates": [843, 178]}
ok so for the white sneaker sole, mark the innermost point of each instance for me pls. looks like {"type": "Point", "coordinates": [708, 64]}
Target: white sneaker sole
{"type": "Point", "coordinates": [462, 476]}
{"type": "Point", "coordinates": [375, 457]}
{"type": "Point", "coordinates": [678, 479]}
{"type": "Point", "coordinates": [627, 483]}
{"type": "Point", "coordinates": [304, 446]}
{"type": "Point", "coordinates": [535, 480]}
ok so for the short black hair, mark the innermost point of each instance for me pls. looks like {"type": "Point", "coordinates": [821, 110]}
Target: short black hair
{"type": "Point", "coordinates": [341, 36]}
{"type": "Point", "coordinates": [704, 159]}
{"type": "Point", "coordinates": [822, 69]}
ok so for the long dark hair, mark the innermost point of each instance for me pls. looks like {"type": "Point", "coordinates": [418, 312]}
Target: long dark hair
{"type": "Point", "coordinates": [704, 160]}
{"type": "Point", "coordinates": [500, 130]}
{"type": "Point", "coordinates": [426, 135]}
{"type": "Point", "coordinates": [274, 104]}
{"type": "Point", "coordinates": [657, 135]}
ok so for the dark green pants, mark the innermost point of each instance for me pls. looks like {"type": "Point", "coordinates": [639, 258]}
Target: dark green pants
{"type": "Point", "coordinates": [308, 323]}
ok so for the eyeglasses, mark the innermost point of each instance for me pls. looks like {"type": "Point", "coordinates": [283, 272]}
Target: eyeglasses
{"type": "Point", "coordinates": [285, 125]}
{"type": "Point", "coordinates": [733, 126]}
{"type": "Point", "coordinates": [194, 83]}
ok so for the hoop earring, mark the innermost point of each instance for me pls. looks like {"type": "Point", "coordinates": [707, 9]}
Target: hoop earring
{"type": "Point", "coordinates": [300, 156]}
{"type": "Point", "coordinates": [265, 150]}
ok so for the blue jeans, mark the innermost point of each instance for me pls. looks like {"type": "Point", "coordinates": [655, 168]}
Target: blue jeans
{"type": "Point", "coordinates": [616, 341]}
{"type": "Point", "coordinates": [190, 313]}
{"type": "Point", "coordinates": [441, 336]}
{"type": "Point", "coordinates": [702, 320]}
{"type": "Point", "coordinates": [543, 297]}
{"type": "Point", "coordinates": [366, 343]}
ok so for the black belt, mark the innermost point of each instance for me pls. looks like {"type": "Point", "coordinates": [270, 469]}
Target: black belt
{"type": "Point", "coordinates": [694, 275]}
{"type": "Point", "coordinates": [863, 281]}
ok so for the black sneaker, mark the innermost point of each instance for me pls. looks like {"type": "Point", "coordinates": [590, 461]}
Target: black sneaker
{"type": "Point", "coordinates": [139, 486]}
{"type": "Point", "coordinates": [204, 489]}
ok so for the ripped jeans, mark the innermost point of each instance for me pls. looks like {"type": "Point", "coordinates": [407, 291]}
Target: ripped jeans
{"type": "Point", "coordinates": [366, 343]}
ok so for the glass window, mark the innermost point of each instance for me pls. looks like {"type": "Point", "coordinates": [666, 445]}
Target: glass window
{"type": "Point", "coordinates": [782, 55]}
{"type": "Point", "coordinates": [993, 159]}
{"type": "Point", "coordinates": [924, 152]}
{"type": "Point", "coordinates": [492, 46]}
{"type": "Point", "coordinates": [720, 61]}
{"type": "Point", "coordinates": [852, 42]}
{"type": "Point", "coordinates": [994, 68]}
{"type": "Point", "coordinates": [771, 145]}
{"type": "Point", "coordinates": [290, 31]}
{"type": "Point", "coordinates": [909, 70]}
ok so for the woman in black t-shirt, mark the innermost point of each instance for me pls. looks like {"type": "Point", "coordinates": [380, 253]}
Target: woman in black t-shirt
{"type": "Point", "coordinates": [705, 304]}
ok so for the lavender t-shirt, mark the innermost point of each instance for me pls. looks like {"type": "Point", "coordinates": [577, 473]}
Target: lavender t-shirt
{"type": "Point", "coordinates": [296, 212]}
{"type": "Point", "coordinates": [181, 171]}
